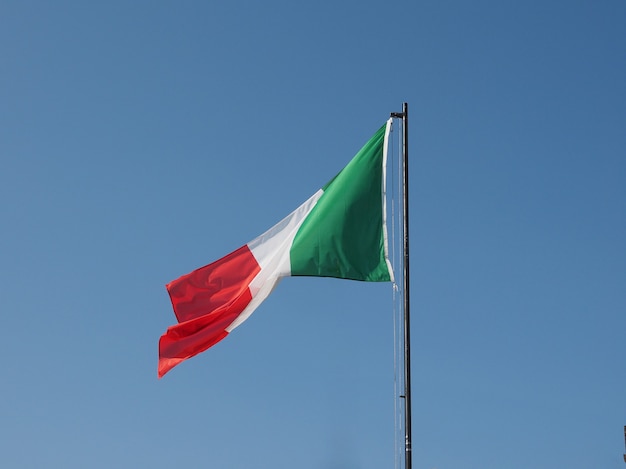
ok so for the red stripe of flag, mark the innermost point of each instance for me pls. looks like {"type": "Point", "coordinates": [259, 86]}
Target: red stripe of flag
{"type": "Point", "coordinates": [206, 301]}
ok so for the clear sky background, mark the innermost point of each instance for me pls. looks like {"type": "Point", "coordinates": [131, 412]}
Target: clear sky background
{"type": "Point", "coordinates": [141, 140]}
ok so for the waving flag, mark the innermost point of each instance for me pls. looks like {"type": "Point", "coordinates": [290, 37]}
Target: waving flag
{"type": "Point", "coordinates": [338, 232]}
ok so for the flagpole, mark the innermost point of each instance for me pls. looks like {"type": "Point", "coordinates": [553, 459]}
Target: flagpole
{"type": "Point", "coordinates": [404, 115]}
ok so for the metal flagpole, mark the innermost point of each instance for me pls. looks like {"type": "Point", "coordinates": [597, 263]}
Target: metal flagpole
{"type": "Point", "coordinates": [404, 115]}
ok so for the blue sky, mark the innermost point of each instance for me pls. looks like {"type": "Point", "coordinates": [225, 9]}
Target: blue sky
{"type": "Point", "coordinates": [140, 140]}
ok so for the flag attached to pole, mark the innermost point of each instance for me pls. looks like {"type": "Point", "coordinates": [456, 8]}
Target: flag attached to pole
{"type": "Point", "coordinates": [338, 232]}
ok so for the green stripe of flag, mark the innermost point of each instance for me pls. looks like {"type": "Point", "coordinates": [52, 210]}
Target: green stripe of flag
{"type": "Point", "coordinates": [343, 235]}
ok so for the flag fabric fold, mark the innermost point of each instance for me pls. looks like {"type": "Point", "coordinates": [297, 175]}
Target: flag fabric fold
{"type": "Point", "coordinates": [340, 231]}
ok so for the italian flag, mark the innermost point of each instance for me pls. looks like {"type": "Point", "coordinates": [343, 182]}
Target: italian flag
{"type": "Point", "coordinates": [338, 232]}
